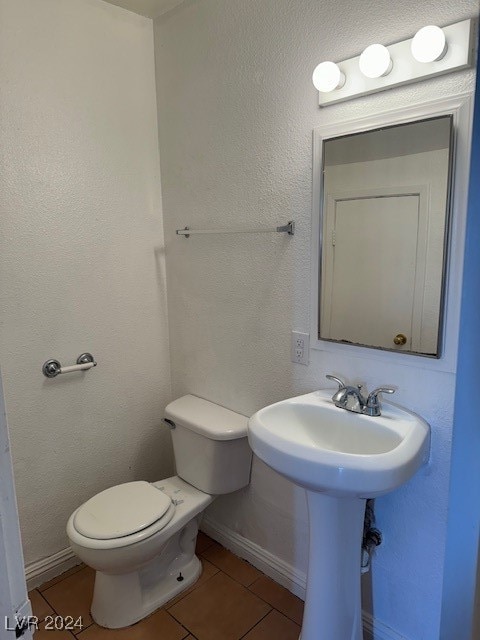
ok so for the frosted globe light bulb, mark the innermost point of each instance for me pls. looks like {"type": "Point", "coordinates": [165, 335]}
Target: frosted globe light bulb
{"type": "Point", "coordinates": [429, 44]}
{"type": "Point", "coordinates": [375, 61]}
{"type": "Point", "coordinates": [327, 77]}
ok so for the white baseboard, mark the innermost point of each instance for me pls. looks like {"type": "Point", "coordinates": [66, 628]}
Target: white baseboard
{"type": "Point", "coordinates": [272, 566]}
{"type": "Point", "coordinates": [283, 573]}
{"type": "Point", "coordinates": [40, 571]}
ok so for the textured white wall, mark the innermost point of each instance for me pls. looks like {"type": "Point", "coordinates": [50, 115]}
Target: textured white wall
{"type": "Point", "coordinates": [237, 109]}
{"type": "Point", "coordinates": [81, 257]}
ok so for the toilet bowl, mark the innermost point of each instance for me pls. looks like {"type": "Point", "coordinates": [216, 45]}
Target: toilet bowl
{"type": "Point", "coordinates": [140, 537]}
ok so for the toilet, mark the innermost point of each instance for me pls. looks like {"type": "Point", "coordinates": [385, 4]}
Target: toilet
{"type": "Point", "coordinates": [139, 536]}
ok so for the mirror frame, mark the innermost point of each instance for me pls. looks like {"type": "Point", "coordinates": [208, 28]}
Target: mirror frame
{"type": "Point", "coordinates": [460, 108]}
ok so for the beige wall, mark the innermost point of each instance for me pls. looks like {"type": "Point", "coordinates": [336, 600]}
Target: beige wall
{"type": "Point", "coordinates": [237, 109]}
{"type": "Point", "coordinates": [81, 257]}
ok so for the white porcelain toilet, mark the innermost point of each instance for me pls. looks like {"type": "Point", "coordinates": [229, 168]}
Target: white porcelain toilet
{"type": "Point", "coordinates": [140, 537]}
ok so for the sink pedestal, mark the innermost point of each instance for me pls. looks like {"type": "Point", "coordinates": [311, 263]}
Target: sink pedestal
{"type": "Point", "coordinates": [337, 455]}
{"type": "Point", "coordinates": [333, 600]}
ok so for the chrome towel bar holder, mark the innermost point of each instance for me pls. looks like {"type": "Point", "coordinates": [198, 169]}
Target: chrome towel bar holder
{"type": "Point", "coordinates": [52, 368]}
{"type": "Point", "coordinates": [286, 228]}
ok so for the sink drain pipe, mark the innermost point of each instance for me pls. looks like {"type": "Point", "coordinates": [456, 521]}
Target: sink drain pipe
{"type": "Point", "coordinates": [372, 537]}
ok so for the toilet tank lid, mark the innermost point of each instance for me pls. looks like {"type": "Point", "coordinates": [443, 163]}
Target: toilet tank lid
{"type": "Point", "coordinates": [206, 418]}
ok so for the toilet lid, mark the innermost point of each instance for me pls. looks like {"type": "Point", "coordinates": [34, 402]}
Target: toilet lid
{"type": "Point", "coordinates": [121, 511]}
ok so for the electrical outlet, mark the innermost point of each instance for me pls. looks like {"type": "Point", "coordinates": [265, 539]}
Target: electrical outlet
{"type": "Point", "coordinates": [300, 347]}
{"type": "Point", "coordinates": [298, 354]}
{"type": "Point", "coordinates": [299, 342]}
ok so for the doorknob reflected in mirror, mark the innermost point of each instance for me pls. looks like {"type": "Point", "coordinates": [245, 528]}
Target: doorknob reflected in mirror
{"type": "Point", "coordinates": [400, 339]}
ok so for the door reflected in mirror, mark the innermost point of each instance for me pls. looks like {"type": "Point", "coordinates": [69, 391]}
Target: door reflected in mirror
{"type": "Point", "coordinates": [385, 226]}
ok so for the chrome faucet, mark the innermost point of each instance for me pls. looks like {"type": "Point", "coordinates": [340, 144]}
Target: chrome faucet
{"type": "Point", "coordinates": [352, 399]}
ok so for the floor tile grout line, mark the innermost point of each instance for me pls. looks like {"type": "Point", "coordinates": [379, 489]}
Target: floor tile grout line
{"type": "Point", "coordinates": [273, 606]}
{"type": "Point", "coordinates": [232, 577]}
{"type": "Point", "coordinates": [46, 602]}
{"type": "Point", "coordinates": [70, 572]}
{"type": "Point", "coordinates": [50, 604]}
{"type": "Point", "coordinates": [278, 610]}
{"type": "Point", "coordinates": [59, 582]}
{"type": "Point", "coordinates": [77, 635]}
{"type": "Point", "coordinates": [187, 592]}
{"type": "Point", "coordinates": [189, 633]}
{"type": "Point", "coordinates": [55, 613]}
{"type": "Point", "coordinates": [256, 580]}
{"type": "Point", "coordinates": [257, 623]}
{"type": "Point", "coordinates": [73, 634]}
{"type": "Point", "coordinates": [228, 574]}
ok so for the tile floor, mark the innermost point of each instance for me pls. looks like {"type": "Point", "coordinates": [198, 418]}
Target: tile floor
{"type": "Point", "coordinates": [231, 601]}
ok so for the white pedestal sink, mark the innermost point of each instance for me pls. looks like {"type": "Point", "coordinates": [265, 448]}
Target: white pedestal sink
{"type": "Point", "coordinates": [341, 458]}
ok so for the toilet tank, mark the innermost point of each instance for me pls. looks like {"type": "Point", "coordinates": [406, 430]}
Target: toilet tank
{"type": "Point", "coordinates": [210, 445]}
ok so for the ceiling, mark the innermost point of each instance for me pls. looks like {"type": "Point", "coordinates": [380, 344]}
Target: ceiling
{"type": "Point", "coordinates": [148, 8]}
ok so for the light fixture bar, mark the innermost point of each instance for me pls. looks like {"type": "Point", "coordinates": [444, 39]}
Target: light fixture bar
{"type": "Point", "coordinates": [405, 70]}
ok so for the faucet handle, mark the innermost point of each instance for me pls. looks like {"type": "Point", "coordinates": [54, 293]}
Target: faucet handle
{"type": "Point", "coordinates": [375, 392]}
{"type": "Point", "coordinates": [341, 384]}
{"type": "Point", "coordinates": [373, 406]}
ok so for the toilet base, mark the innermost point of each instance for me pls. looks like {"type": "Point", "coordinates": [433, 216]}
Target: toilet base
{"type": "Point", "coordinates": [120, 600]}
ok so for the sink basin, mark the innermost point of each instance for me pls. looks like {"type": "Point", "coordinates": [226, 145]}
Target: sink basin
{"type": "Point", "coordinates": [323, 448]}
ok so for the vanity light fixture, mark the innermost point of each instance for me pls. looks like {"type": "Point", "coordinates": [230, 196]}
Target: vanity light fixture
{"type": "Point", "coordinates": [328, 77]}
{"type": "Point", "coordinates": [431, 52]}
{"type": "Point", "coordinates": [375, 61]}
{"type": "Point", "coordinates": [429, 44]}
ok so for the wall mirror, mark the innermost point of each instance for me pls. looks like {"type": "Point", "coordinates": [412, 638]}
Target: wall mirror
{"type": "Point", "coordinates": [384, 235]}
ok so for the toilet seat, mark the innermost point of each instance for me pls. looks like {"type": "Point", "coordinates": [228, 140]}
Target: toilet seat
{"type": "Point", "coordinates": [122, 515]}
